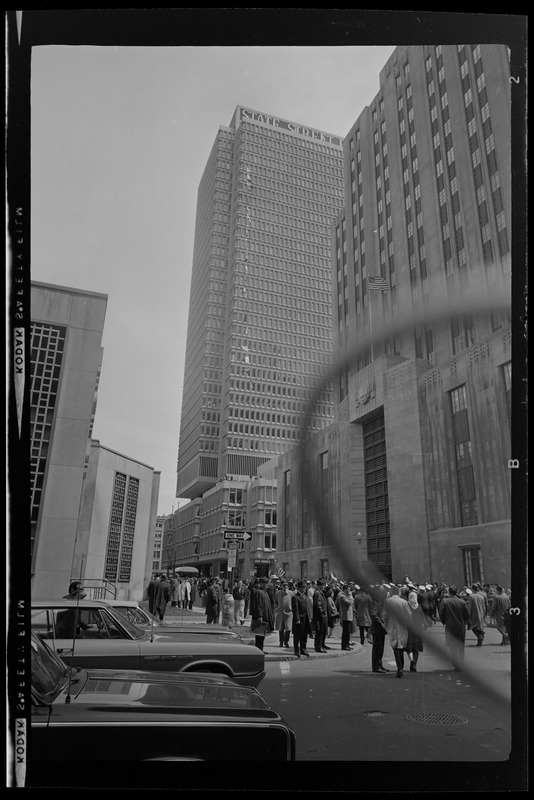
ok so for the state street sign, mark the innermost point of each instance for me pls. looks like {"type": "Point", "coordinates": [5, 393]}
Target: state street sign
{"type": "Point", "coordinates": [232, 558]}
{"type": "Point", "coordinates": [236, 535]}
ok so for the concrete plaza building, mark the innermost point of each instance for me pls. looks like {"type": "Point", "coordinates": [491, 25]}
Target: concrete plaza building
{"type": "Point", "coordinates": [116, 536]}
{"type": "Point", "coordinates": [260, 312]}
{"type": "Point", "coordinates": [93, 510]}
{"type": "Point", "coordinates": [65, 362]}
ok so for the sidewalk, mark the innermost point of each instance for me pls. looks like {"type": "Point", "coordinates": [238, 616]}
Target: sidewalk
{"type": "Point", "coordinates": [272, 649]}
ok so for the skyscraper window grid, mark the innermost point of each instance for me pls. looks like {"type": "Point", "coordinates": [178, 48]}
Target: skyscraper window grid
{"type": "Point", "coordinates": [46, 355]}
{"type": "Point", "coordinates": [284, 189]}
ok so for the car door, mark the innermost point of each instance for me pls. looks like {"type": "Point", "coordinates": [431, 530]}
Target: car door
{"type": "Point", "coordinates": [169, 656]}
{"type": "Point", "coordinates": [104, 645]}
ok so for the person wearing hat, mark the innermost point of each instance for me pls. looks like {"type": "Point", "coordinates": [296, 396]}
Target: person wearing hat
{"type": "Point", "coordinates": [269, 586]}
{"type": "Point", "coordinates": [397, 615]}
{"type": "Point", "coordinates": [162, 595]}
{"type": "Point", "coordinates": [300, 623]}
{"type": "Point", "coordinates": [332, 612]}
{"type": "Point", "coordinates": [213, 602]}
{"type": "Point", "coordinates": [484, 594]}
{"type": "Point", "coordinates": [362, 601]}
{"type": "Point", "coordinates": [320, 617]}
{"type": "Point", "coordinates": [345, 603]}
{"type": "Point", "coordinates": [69, 623]}
{"type": "Point", "coordinates": [422, 599]}
{"type": "Point", "coordinates": [378, 629]}
{"type": "Point", "coordinates": [453, 614]}
{"type": "Point", "coordinates": [261, 611]}
{"type": "Point", "coordinates": [418, 622]}
{"type": "Point", "coordinates": [76, 591]}
{"type": "Point", "coordinates": [431, 599]}
{"type": "Point", "coordinates": [283, 616]}
{"type": "Point", "coordinates": [476, 608]}
{"type": "Point", "coordinates": [310, 589]}
{"type": "Point", "coordinates": [150, 591]}
{"type": "Point", "coordinates": [501, 607]}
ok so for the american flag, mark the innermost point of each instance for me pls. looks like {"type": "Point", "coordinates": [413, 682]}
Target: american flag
{"type": "Point", "coordinates": [378, 283]}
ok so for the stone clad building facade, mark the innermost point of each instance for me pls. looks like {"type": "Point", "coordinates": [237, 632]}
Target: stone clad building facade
{"type": "Point", "coordinates": [416, 463]}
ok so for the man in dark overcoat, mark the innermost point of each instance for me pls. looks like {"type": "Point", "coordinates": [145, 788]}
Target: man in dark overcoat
{"type": "Point", "coordinates": [150, 592]}
{"type": "Point", "coordinates": [300, 626]}
{"type": "Point", "coordinates": [213, 602]}
{"type": "Point", "coordinates": [269, 587]}
{"type": "Point", "coordinates": [161, 597]}
{"type": "Point", "coordinates": [378, 629]}
{"type": "Point", "coordinates": [320, 617]}
{"type": "Point", "coordinates": [501, 606]}
{"type": "Point", "coordinates": [454, 616]}
{"type": "Point", "coordinates": [261, 610]}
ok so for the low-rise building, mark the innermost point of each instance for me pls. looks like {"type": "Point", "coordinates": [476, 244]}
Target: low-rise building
{"type": "Point", "coordinates": [116, 524]}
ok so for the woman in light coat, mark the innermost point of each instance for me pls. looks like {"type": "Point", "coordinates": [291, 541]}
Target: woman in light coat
{"type": "Point", "coordinates": [283, 616]}
{"type": "Point", "coordinates": [310, 588]}
{"type": "Point", "coordinates": [238, 593]}
{"type": "Point", "coordinates": [174, 592]}
{"type": "Point", "coordinates": [397, 614]}
{"type": "Point", "coordinates": [186, 597]}
{"type": "Point", "coordinates": [180, 592]}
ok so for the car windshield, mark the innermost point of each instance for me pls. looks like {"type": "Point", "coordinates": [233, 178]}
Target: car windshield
{"type": "Point", "coordinates": [132, 630]}
{"type": "Point", "coordinates": [49, 673]}
{"type": "Point", "coordinates": [135, 615]}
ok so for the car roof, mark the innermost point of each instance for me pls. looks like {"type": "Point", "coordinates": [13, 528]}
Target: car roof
{"type": "Point", "coordinates": [149, 676]}
{"type": "Point", "coordinates": [129, 603]}
{"type": "Point", "coordinates": [147, 692]}
{"type": "Point", "coordinates": [65, 603]}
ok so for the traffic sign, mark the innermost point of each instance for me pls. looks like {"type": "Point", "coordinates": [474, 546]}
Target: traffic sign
{"type": "Point", "coordinates": [232, 558]}
{"type": "Point", "coordinates": [237, 535]}
{"type": "Point", "coordinates": [232, 545]}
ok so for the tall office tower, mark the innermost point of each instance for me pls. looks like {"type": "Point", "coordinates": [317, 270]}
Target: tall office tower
{"type": "Point", "coordinates": [260, 312]}
{"type": "Point", "coordinates": [427, 218]}
{"type": "Point", "coordinates": [428, 196]}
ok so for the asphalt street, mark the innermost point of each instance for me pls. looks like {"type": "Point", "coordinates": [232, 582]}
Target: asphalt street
{"type": "Point", "coordinates": [434, 714]}
{"type": "Point", "coordinates": [453, 723]}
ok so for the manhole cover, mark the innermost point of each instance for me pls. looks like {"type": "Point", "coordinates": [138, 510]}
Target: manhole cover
{"type": "Point", "coordinates": [436, 719]}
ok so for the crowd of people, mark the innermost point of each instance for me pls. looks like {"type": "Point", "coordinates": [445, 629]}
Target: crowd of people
{"type": "Point", "coordinates": [179, 592]}
{"type": "Point", "coordinates": [310, 610]}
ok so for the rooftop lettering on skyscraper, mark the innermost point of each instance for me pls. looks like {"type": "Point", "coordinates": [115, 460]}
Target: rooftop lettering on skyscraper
{"type": "Point", "coordinates": [293, 127]}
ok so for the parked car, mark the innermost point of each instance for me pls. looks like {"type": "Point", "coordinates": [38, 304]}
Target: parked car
{"type": "Point", "coordinates": [91, 727]}
{"type": "Point", "coordinates": [91, 634]}
{"type": "Point", "coordinates": [173, 625]}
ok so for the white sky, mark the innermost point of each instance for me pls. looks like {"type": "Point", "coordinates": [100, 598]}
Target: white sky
{"type": "Point", "coordinates": [120, 138]}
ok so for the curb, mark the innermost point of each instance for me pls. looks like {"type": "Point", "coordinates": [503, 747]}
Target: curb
{"type": "Point", "coordinates": [313, 655]}
{"type": "Point", "coordinates": [244, 630]}
{"type": "Point", "coordinates": [271, 646]}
